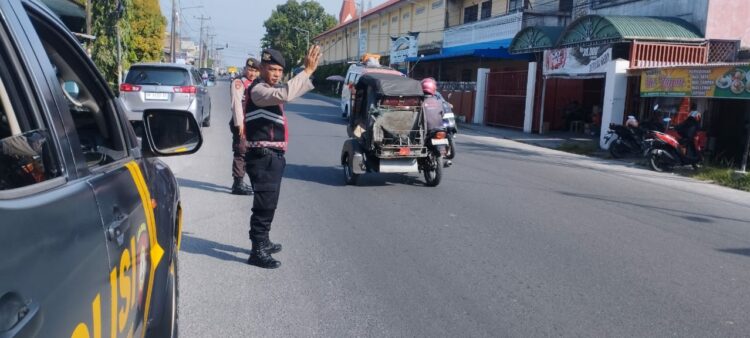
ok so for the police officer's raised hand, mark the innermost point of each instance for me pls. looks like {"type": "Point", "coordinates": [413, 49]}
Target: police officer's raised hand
{"type": "Point", "coordinates": [312, 59]}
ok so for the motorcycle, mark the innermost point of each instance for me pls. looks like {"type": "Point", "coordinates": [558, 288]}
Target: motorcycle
{"type": "Point", "coordinates": [664, 152]}
{"type": "Point", "coordinates": [623, 141]}
{"type": "Point", "coordinates": [437, 148]}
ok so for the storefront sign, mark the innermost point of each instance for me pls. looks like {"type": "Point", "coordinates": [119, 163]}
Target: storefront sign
{"type": "Point", "coordinates": [723, 82]}
{"type": "Point", "coordinates": [403, 47]}
{"type": "Point", "coordinates": [577, 60]}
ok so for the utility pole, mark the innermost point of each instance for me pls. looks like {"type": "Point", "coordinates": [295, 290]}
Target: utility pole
{"type": "Point", "coordinates": [172, 33]}
{"type": "Point", "coordinates": [209, 56]}
{"type": "Point", "coordinates": [359, 29]}
{"type": "Point", "coordinates": [201, 50]}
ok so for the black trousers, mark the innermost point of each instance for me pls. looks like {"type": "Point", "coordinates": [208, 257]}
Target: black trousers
{"type": "Point", "coordinates": [265, 168]}
{"type": "Point", "coordinates": [239, 149]}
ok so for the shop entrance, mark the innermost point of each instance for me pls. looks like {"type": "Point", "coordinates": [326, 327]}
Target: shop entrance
{"type": "Point", "coordinates": [572, 104]}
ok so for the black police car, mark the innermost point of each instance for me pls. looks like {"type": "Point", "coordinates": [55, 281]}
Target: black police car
{"type": "Point", "coordinates": [90, 220]}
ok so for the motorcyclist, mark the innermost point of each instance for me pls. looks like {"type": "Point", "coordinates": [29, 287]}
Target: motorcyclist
{"type": "Point", "coordinates": [433, 107]}
{"type": "Point", "coordinates": [688, 129]}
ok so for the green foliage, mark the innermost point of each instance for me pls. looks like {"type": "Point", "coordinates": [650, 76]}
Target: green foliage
{"type": "Point", "coordinates": [324, 86]}
{"type": "Point", "coordinates": [141, 28]}
{"type": "Point", "coordinates": [282, 35]}
{"type": "Point", "coordinates": [722, 176]}
{"type": "Point", "coordinates": [104, 26]}
{"type": "Point", "coordinates": [579, 147]}
{"type": "Point", "coordinates": [147, 26]}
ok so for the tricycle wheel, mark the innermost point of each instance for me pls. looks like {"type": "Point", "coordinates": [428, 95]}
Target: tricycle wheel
{"type": "Point", "coordinates": [349, 175]}
{"type": "Point", "coordinates": [433, 171]}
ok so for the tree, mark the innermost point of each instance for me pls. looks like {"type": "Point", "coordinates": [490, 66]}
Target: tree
{"type": "Point", "coordinates": [105, 25]}
{"type": "Point", "coordinates": [147, 27]}
{"type": "Point", "coordinates": [282, 35]}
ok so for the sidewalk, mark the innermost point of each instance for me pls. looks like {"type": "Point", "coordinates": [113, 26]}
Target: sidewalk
{"type": "Point", "coordinates": [553, 140]}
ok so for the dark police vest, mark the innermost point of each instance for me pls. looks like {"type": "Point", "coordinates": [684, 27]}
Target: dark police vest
{"type": "Point", "coordinates": [265, 127]}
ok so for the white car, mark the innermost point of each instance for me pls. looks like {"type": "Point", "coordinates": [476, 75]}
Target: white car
{"type": "Point", "coordinates": [352, 76]}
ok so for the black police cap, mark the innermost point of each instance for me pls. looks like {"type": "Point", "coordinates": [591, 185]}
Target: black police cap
{"type": "Point", "coordinates": [272, 56]}
{"type": "Point", "coordinates": [252, 63]}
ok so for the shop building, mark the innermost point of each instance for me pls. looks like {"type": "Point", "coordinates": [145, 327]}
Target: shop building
{"type": "Point", "coordinates": [594, 66]}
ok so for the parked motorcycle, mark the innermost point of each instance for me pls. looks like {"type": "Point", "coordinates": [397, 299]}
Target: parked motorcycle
{"type": "Point", "coordinates": [625, 141]}
{"type": "Point", "coordinates": [664, 152]}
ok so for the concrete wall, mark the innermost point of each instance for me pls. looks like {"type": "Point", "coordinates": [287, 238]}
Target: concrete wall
{"type": "Point", "coordinates": [728, 19]}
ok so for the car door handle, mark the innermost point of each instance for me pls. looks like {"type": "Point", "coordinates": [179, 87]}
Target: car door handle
{"type": "Point", "coordinates": [116, 229]}
{"type": "Point", "coordinates": [18, 318]}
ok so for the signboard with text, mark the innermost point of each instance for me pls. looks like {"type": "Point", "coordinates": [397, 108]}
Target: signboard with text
{"type": "Point", "coordinates": [720, 82]}
{"type": "Point", "coordinates": [577, 60]}
{"type": "Point", "coordinates": [403, 47]}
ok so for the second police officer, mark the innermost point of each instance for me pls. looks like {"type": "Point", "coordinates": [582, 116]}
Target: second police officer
{"type": "Point", "coordinates": [266, 133]}
{"type": "Point", "coordinates": [237, 124]}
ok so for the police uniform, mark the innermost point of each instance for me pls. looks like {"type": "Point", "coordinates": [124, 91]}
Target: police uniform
{"type": "Point", "coordinates": [267, 136]}
{"type": "Point", "coordinates": [238, 94]}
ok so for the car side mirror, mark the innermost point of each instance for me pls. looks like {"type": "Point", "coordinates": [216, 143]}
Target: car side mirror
{"type": "Point", "coordinates": [170, 132]}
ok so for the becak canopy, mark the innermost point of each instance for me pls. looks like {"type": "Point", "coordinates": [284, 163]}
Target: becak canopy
{"type": "Point", "coordinates": [390, 85]}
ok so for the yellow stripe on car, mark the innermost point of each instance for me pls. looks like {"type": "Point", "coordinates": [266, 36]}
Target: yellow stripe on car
{"type": "Point", "coordinates": [156, 250]}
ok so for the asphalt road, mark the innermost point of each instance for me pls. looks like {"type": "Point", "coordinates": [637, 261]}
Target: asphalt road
{"type": "Point", "coordinates": [516, 241]}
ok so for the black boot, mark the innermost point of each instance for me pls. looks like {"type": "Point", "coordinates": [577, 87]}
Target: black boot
{"type": "Point", "coordinates": [272, 247]}
{"type": "Point", "coordinates": [261, 258]}
{"type": "Point", "coordinates": [240, 188]}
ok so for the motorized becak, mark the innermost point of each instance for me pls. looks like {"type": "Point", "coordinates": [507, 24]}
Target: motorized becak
{"type": "Point", "coordinates": [387, 130]}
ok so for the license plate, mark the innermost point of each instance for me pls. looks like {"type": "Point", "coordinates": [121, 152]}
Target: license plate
{"type": "Point", "coordinates": [437, 141]}
{"type": "Point", "coordinates": [157, 96]}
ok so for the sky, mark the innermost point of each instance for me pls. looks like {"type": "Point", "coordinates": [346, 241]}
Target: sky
{"type": "Point", "coordinates": [238, 23]}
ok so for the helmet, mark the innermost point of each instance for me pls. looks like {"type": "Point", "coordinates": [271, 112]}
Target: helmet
{"type": "Point", "coordinates": [429, 86]}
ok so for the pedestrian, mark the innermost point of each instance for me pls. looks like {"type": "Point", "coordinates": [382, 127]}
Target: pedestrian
{"type": "Point", "coordinates": [266, 133]}
{"type": "Point", "coordinates": [238, 96]}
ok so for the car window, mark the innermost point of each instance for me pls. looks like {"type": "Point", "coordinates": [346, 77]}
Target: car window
{"type": "Point", "coordinates": [27, 152]}
{"type": "Point", "coordinates": [159, 76]}
{"type": "Point", "coordinates": [93, 112]}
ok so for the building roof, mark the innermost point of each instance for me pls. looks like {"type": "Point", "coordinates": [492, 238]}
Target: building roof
{"type": "Point", "coordinates": [348, 11]}
{"type": "Point", "coordinates": [367, 13]}
{"type": "Point", "coordinates": [595, 29]}
{"type": "Point", "coordinates": [534, 39]}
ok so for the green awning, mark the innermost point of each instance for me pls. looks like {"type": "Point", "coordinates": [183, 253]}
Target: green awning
{"type": "Point", "coordinates": [534, 39]}
{"type": "Point", "coordinates": [595, 29]}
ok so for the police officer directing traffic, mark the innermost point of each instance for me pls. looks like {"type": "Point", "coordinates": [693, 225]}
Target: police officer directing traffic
{"type": "Point", "coordinates": [266, 133]}
{"type": "Point", "coordinates": [237, 124]}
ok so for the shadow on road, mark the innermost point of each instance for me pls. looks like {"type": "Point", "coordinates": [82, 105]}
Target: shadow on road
{"type": "Point", "coordinates": [332, 175]}
{"type": "Point", "coordinates": [737, 251]}
{"type": "Point", "coordinates": [684, 214]}
{"type": "Point", "coordinates": [187, 183]}
{"type": "Point", "coordinates": [321, 117]}
{"type": "Point", "coordinates": [213, 249]}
